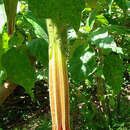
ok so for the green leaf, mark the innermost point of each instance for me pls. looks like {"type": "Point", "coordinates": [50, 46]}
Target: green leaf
{"type": "Point", "coordinates": [39, 49]}
{"type": "Point", "coordinates": [5, 39]}
{"type": "Point", "coordinates": [91, 19]}
{"type": "Point", "coordinates": [82, 63]}
{"type": "Point", "coordinates": [128, 4]}
{"type": "Point", "coordinates": [38, 25]}
{"type": "Point", "coordinates": [113, 71]}
{"type": "Point", "coordinates": [112, 101]}
{"type": "Point", "coordinates": [109, 5]}
{"type": "Point", "coordinates": [89, 23]}
{"type": "Point", "coordinates": [122, 4]}
{"type": "Point", "coordinates": [19, 69]}
{"type": "Point", "coordinates": [102, 19]}
{"type": "Point", "coordinates": [119, 29]}
{"type": "Point", "coordinates": [16, 40]}
{"type": "Point", "coordinates": [101, 39]}
{"type": "Point", "coordinates": [66, 11]}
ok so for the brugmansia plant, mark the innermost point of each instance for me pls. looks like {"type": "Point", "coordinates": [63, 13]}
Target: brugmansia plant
{"type": "Point", "coordinates": [10, 9]}
{"type": "Point", "coordinates": [94, 55]}
{"type": "Point", "coordinates": [59, 15]}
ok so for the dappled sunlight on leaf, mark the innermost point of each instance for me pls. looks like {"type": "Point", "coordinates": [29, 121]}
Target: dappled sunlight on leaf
{"type": "Point", "coordinates": [82, 63]}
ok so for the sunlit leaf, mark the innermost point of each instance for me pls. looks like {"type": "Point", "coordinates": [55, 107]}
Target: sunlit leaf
{"type": "Point", "coordinates": [38, 25]}
{"type": "Point", "coordinates": [102, 19]}
{"type": "Point", "coordinates": [82, 63]}
{"type": "Point", "coordinates": [101, 39]}
{"type": "Point", "coordinates": [91, 19]}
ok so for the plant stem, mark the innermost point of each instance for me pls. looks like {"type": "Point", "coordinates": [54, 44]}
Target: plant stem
{"type": "Point", "coordinates": [58, 81]}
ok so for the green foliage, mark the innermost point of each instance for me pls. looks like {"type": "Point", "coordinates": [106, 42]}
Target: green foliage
{"type": "Point", "coordinates": [102, 19]}
{"type": "Point", "coordinates": [113, 71]}
{"type": "Point", "coordinates": [101, 39]}
{"type": "Point", "coordinates": [16, 40]}
{"type": "Point", "coordinates": [82, 62]}
{"type": "Point", "coordinates": [91, 19]}
{"type": "Point", "coordinates": [19, 69]}
{"type": "Point", "coordinates": [122, 4]}
{"type": "Point", "coordinates": [68, 12]}
{"type": "Point", "coordinates": [109, 5]}
{"type": "Point", "coordinates": [119, 29]}
{"type": "Point", "coordinates": [39, 49]}
{"type": "Point", "coordinates": [38, 25]}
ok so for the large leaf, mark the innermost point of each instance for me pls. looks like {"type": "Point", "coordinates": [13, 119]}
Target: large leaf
{"type": "Point", "coordinates": [19, 69]}
{"type": "Point", "coordinates": [67, 11]}
{"type": "Point", "coordinates": [101, 39]}
{"type": "Point", "coordinates": [39, 49]}
{"type": "Point", "coordinates": [82, 63]}
{"type": "Point", "coordinates": [113, 71]}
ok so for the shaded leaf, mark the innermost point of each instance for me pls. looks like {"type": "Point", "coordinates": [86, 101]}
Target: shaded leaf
{"type": "Point", "coordinates": [19, 69]}
{"type": "Point", "coordinates": [16, 40]}
{"type": "Point", "coordinates": [39, 49]}
{"type": "Point", "coordinates": [113, 71]}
